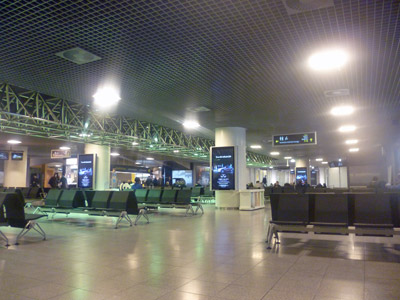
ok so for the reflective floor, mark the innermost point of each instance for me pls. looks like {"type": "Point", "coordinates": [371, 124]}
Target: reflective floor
{"type": "Point", "coordinates": [220, 255]}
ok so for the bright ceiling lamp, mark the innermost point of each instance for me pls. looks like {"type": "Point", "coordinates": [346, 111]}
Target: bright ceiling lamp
{"type": "Point", "coordinates": [287, 157]}
{"type": "Point", "coordinates": [292, 160]}
{"type": "Point", "coordinates": [114, 154]}
{"type": "Point", "coordinates": [347, 128]}
{"type": "Point", "coordinates": [319, 159]}
{"type": "Point", "coordinates": [191, 124]}
{"type": "Point", "coordinates": [65, 148]}
{"type": "Point", "coordinates": [14, 142]}
{"type": "Point", "coordinates": [138, 163]}
{"type": "Point", "coordinates": [342, 110]}
{"type": "Point", "coordinates": [351, 142]}
{"type": "Point", "coordinates": [354, 150]}
{"type": "Point", "coordinates": [255, 146]}
{"type": "Point", "coordinates": [274, 153]}
{"type": "Point", "coordinates": [324, 163]}
{"type": "Point", "coordinates": [327, 60]}
{"type": "Point", "coordinates": [135, 143]}
{"type": "Point", "coordinates": [176, 151]}
{"type": "Point", "coordinates": [149, 158]}
{"type": "Point", "coordinates": [106, 97]}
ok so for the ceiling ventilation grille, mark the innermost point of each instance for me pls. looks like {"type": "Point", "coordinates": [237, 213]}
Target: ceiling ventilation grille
{"type": "Point", "coordinates": [78, 55]}
{"type": "Point", "coordinates": [300, 6]}
{"type": "Point", "coordinates": [337, 93]}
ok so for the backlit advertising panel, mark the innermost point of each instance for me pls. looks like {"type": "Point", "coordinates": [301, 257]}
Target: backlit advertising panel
{"type": "Point", "coordinates": [86, 170]}
{"type": "Point", "coordinates": [301, 174]}
{"type": "Point", "coordinates": [223, 168]}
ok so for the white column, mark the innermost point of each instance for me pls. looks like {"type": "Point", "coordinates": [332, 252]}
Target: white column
{"type": "Point", "coordinates": [102, 176]}
{"type": "Point", "coordinates": [232, 136]}
{"type": "Point", "coordinates": [15, 171]}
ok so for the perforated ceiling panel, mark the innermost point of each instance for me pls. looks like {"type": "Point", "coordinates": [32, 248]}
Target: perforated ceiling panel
{"type": "Point", "coordinates": [244, 60]}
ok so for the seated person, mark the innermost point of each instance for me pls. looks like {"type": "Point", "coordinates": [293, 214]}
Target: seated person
{"type": "Point", "coordinates": [277, 184]}
{"type": "Point", "coordinates": [137, 185]}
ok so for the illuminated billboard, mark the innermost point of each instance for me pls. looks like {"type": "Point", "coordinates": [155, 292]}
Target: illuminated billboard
{"type": "Point", "coordinates": [223, 168]}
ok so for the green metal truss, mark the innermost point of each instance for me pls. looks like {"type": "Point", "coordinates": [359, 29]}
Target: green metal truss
{"type": "Point", "coordinates": [32, 113]}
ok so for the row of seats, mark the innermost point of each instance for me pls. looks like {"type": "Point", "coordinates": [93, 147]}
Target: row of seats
{"type": "Point", "coordinates": [120, 204]}
{"type": "Point", "coordinates": [360, 213]}
{"type": "Point", "coordinates": [27, 192]}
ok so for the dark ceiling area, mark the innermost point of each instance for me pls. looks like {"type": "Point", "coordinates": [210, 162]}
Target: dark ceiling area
{"type": "Point", "coordinates": [246, 61]}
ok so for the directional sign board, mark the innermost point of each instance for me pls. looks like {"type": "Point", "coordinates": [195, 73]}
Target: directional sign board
{"type": "Point", "coordinates": [295, 139]}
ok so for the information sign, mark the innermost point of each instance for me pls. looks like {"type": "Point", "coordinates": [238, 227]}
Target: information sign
{"type": "Point", "coordinates": [295, 139]}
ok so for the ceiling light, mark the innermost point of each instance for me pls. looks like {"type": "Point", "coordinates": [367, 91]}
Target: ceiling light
{"type": "Point", "coordinates": [106, 97]}
{"type": "Point", "coordinates": [342, 110]}
{"type": "Point", "coordinates": [149, 158]}
{"type": "Point", "coordinates": [65, 148]}
{"type": "Point", "coordinates": [78, 55]}
{"type": "Point", "coordinates": [293, 160]}
{"type": "Point", "coordinates": [324, 163]}
{"type": "Point", "coordinates": [191, 124]}
{"type": "Point", "coordinates": [318, 159]}
{"type": "Point", "coordinates": [340, 159]}
{"type": "Point", "coordinates": [176, 151]}
{"type": "Point", "coordinates": [351, 142]}
{"type": "Point", "coordinates": [274, 153]}
{"type": "Point", "coordinates": [287, 157]}
{"type": "Point", "coordinates": [271, 167]}
{"type": "Point", "coordinates": [347, 128]}
{"type": "Point", "coordinates": [135, 143]}
{"type": "Point", "coordinates": [255, 146]}
{"type": "Point", "coordinates": [328, 60]}
{"type": "Point", "coordinates": [138, 163]}
{"type": "Point", "coordinates": [353, 150]}
{"type": "Point", "coordinates": [114, 154]}
{"type": "Point", "coordinates": [14, 142]}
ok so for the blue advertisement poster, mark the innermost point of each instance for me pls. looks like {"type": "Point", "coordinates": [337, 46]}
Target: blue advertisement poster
{"type": "Point", "coordinates": [223, 168]}
{"type": "Point", "coordinates": [301, 174]}
{"type": "Point", "coordinates": [85, 170]}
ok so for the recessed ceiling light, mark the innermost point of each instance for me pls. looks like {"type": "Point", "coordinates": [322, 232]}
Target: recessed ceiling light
{"type": "Point", "coordinates": [271, 167]}
{"type": "Point", "coordinates": [287, 157]}
{"type": "Point", "coordinates": [292, 160]}
{"type": "Point", "coordinates": [65, 148]}
{"type": "Point", "coordinates": [328, 60]}
{"type": "Point", "coordinates": [176, 151]}
{"type": "Point", "coordinates": [324, 163]}
{"type": "Point", "coordinates": [14, 142]}
{"type": "Point", "coordinates": [191, 124]}
{"type": "Point", "coordinates": [255, 147]}
{"type": "Point", "coordinates": [353, 150]}
{"type": "Point", "coordinates": [351, 142]}
{"type": "Point", "coordinates": [342, 110]}
{"type": "Point", "coordinates": [138, 163]}
{"type": "Point", "coordinates": [149, 158]}
{"type": "Point", "coordinates": [318, 159]}
{"type": "Point", "coordinates": [347, 128]}
{"type": "Point", "coordinates": [135, 143]}
{"type": "Point", "coordinates": [274, 153]}
{"type": "Point", "coordinates": [106, 97]}
{"type": "Point", "coordinates": [340, 159]}
{"type": "Point", "coordinates": [114, 154]}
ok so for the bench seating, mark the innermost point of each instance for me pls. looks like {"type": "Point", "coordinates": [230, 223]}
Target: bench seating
{"type": "Point", "coordinates": [360, 214]}
{"type": "Point", "coordinates": [118, 204]}
{"type": "Point", "coordinates": [174, 198]}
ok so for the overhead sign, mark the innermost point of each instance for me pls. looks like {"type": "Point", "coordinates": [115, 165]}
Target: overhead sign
{"type": "Point", "coordinates": [223, 168]}
{"type": "Point", "coordinates": [295, 139]}
{"type": "Point", "coordinates": [58, 153]}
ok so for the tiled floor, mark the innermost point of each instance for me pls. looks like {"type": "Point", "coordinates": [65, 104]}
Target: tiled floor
{"type": "Point", "coordinates": [220, 255]}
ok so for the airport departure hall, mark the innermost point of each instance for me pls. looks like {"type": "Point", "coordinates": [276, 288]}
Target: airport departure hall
{"type": "Point", "coordinates": [216, 149]}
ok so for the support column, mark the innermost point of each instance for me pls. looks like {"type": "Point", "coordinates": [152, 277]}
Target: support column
{"type": "Point", "coordinates": [232, 136]}
{"type": "Point", "coordinates": [102, 176]}
{"type": "Point", "coordinates": [15, 171]}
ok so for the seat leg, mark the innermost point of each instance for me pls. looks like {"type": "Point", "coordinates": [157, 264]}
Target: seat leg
{"type": "Point", "coordinates": [126, 217]}
{"type": "Point", "coordinates": [38, 229]}
{"type": "Point", "coordinates": [3, 236]}
{"type": "Point", "coordinates": [23, 232]}
{"type": "Point", "coordinates": [271, 231]}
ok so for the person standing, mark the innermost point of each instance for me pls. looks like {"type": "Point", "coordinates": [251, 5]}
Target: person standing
{"type": "Point", "coordinates": [63, 182]}
{"type": "Point", "coordinates": [53, 182]}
